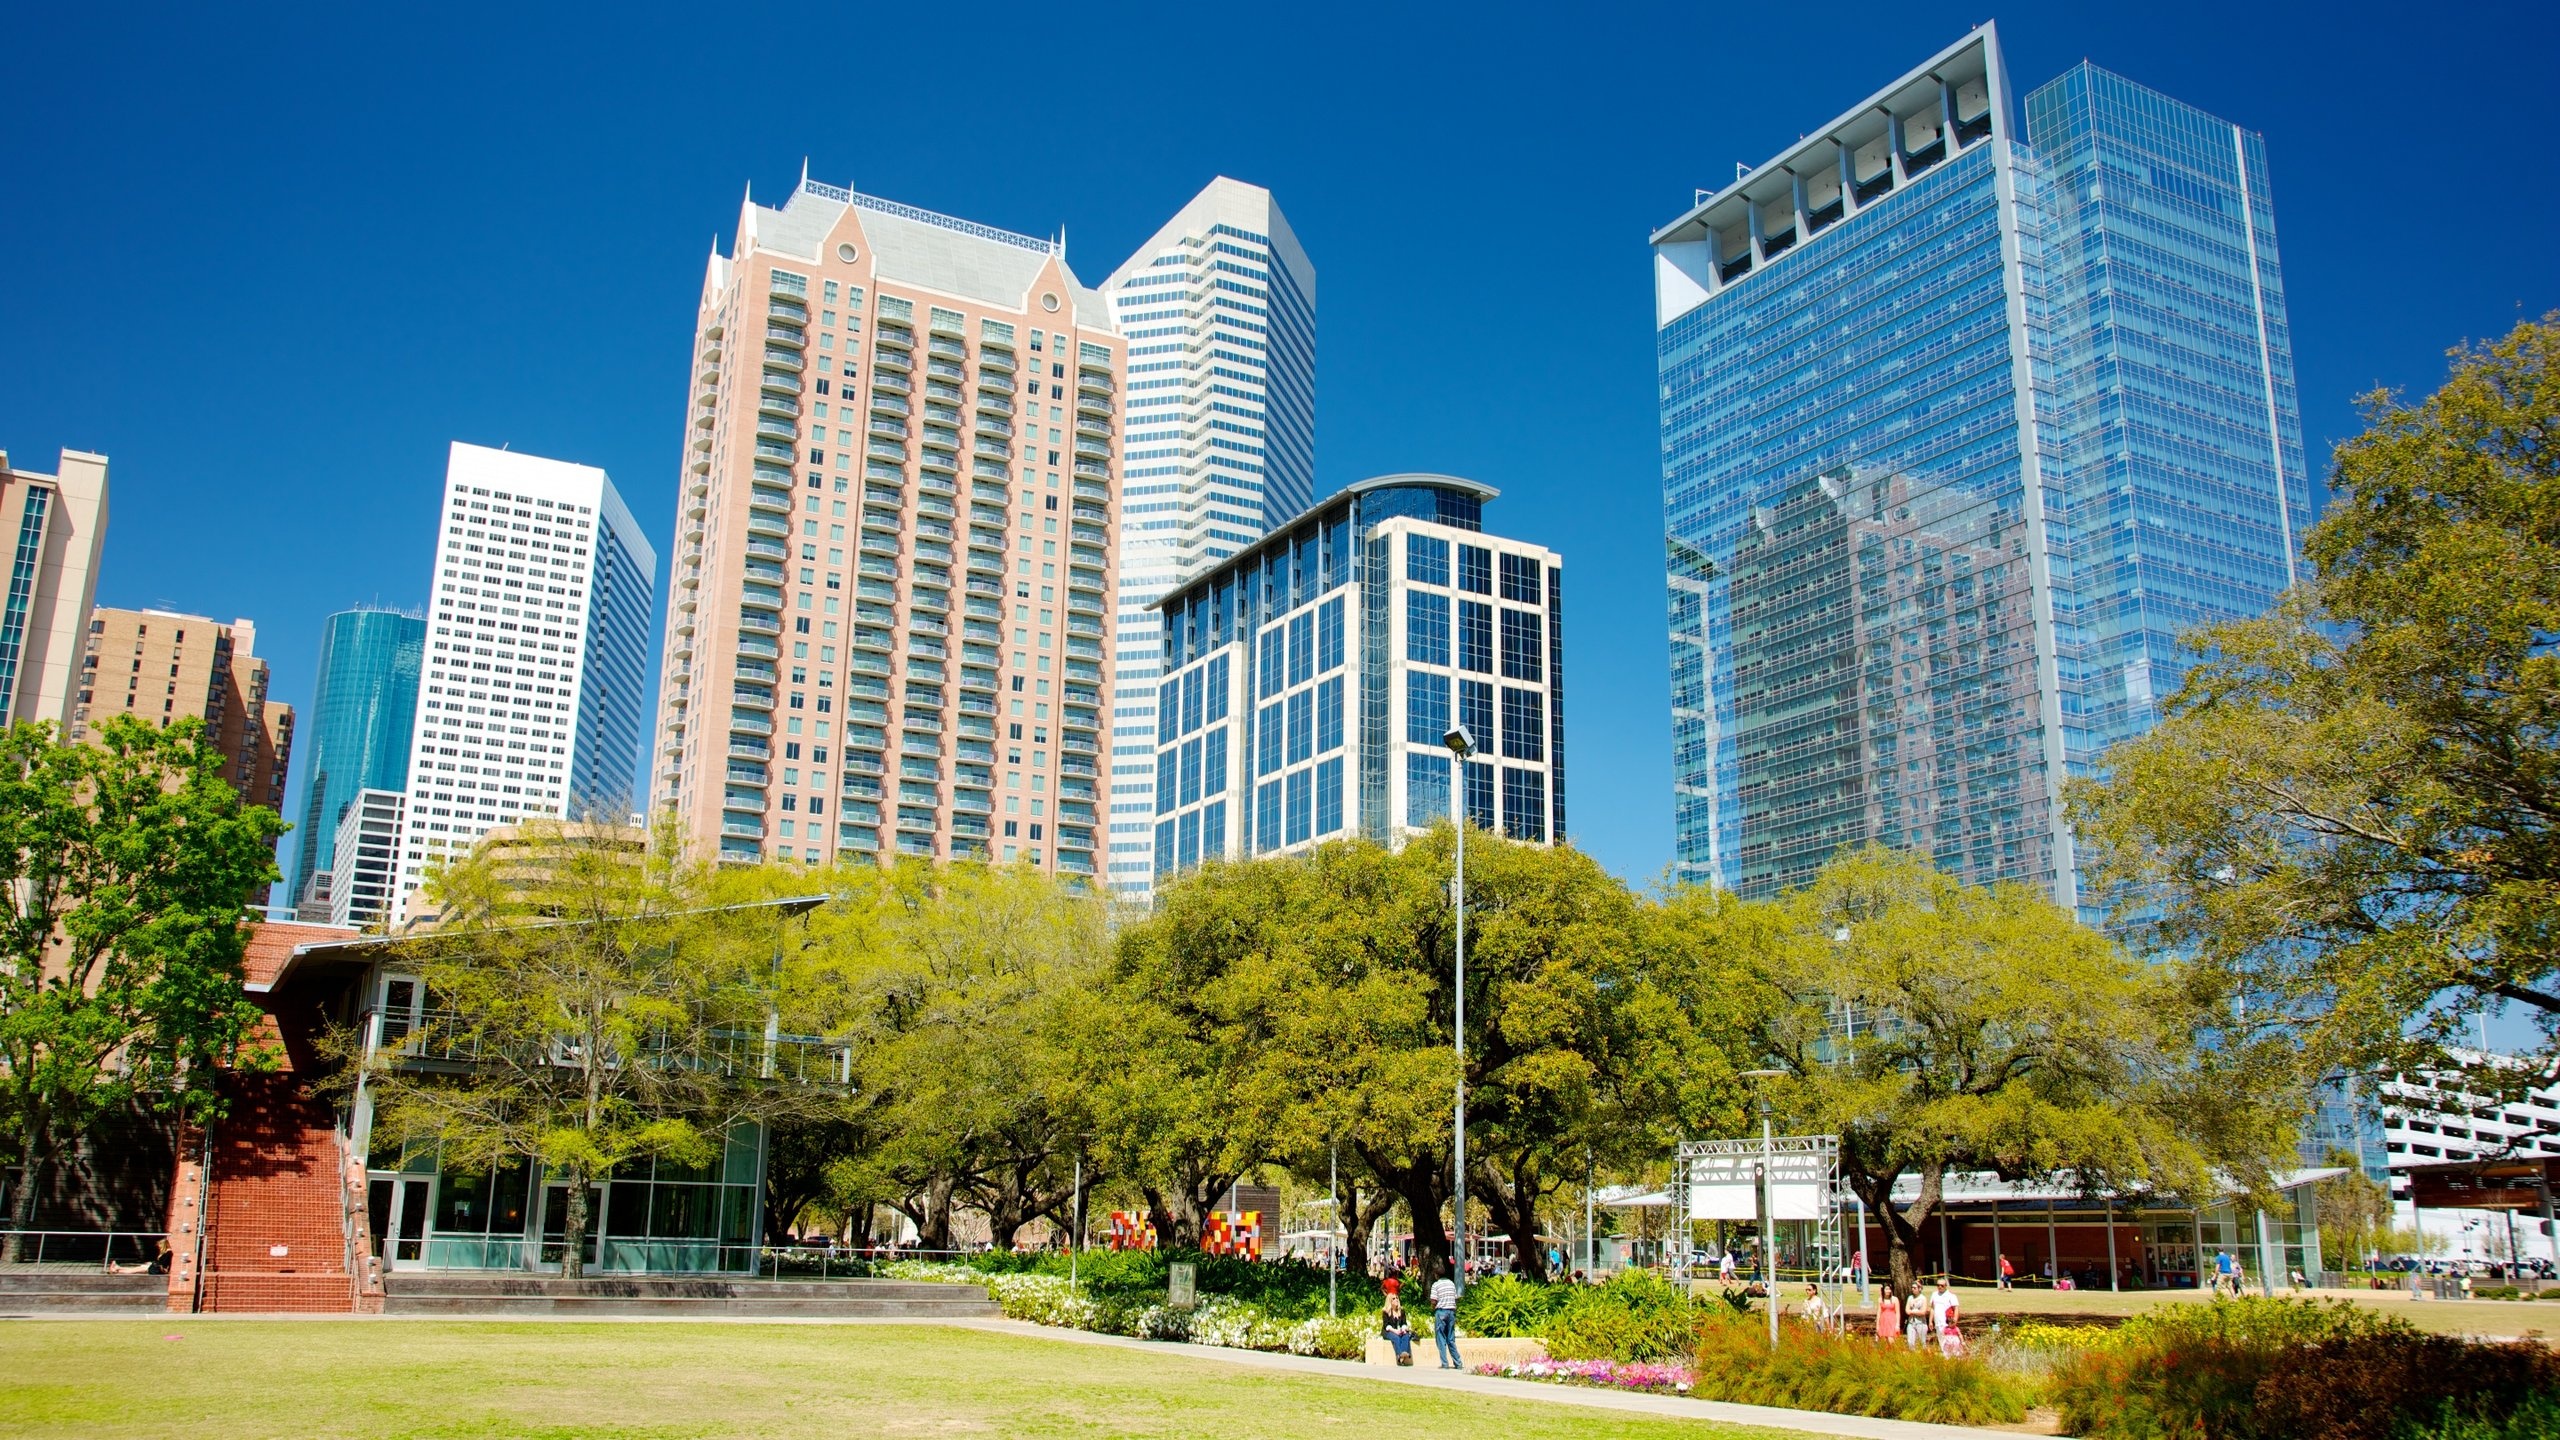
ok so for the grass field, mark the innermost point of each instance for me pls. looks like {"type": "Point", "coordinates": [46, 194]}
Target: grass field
{"type": "Point", "coordinates": [416, 1380]}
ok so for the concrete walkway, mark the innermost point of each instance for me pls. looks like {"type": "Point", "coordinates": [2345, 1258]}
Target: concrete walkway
{"type": "Point", "coordinates": [1673, 1407]}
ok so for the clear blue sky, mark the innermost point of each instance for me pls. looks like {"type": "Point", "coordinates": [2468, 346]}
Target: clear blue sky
{"type": "Point", "coordinates": [272, 263]}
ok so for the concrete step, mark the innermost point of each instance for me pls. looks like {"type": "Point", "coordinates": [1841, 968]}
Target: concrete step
{"type": "Point", "coordinates": [465, 1293]}
{"type": "Point", "coordinates": [257, 1292]}
{"type": "Point", "coordinates": [29, 1290]}
{"type": "Point", "coordinates": [32, 1277]}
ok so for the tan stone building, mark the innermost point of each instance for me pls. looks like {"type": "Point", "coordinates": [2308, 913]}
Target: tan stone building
{"type": "Point", "coordinates": [53, 526]}
{"type": "Point", "coordinates": [894, 574]}
{"type": "Point", "coordinates": [163, 666]}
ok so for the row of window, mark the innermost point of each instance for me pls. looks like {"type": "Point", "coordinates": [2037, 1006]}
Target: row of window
{"type": "Point", "coordinates": [1524, 714]}
{"type": "Point", "coordinates": [1426, 562]}
{"type": "Point", "coordinates": [1427, 636]}
{"type": "Point", "coordinates": [1524, 794]}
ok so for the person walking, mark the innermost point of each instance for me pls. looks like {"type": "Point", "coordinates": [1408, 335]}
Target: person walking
{"type": "Point", "coordinates": [1444, 1322]}
{"type": "Point", "coordinates": [1888, 1315]}
{"type": "Point", "coordinates": [2007, 1272]}
{"type": "Point", "coordinates": [1397, 1327]}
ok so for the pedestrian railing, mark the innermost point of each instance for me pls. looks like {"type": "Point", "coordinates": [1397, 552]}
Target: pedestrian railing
{"type": "Point", "coordinates": [105, 1251]}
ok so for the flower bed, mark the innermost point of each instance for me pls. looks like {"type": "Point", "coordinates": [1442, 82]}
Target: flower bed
{"type": "Point", "coordinates": [1653, 1377]}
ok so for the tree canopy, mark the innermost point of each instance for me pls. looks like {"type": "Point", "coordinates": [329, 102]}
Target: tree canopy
{"type": "Point", "coordinates": [1300, 1003]}
{"type": "Point", "coordinates": [2350, 809]}
{"type": "Point", "coordinates": [126, 866]}
{"type": "Point", "coordinates": [1938, 1027]}
{"type": "Point", "coordinates": [591, 1006]}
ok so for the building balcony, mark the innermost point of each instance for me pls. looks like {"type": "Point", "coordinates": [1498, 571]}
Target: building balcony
{"type": "Point", "coordinates": [746, 774]}
{"type": "Point", "coordinates": [882, 382]}
{"type": "Point", "coordinates": [894, 336]}
{"type": "Point", "coordinates": [883, 403]}
{"type": "Point", "coordinates": [944, 369]}
{"type": "Point", "coordinates": [1096, 382]}
{"type": "Point", "coordinates": [786, 308]}
{"type": "Point", "coordinates": [759, 646]}
{"type": "Point", "coordinates": [948, 349]}
{"type": "Point", "coordinates": [884, 363]}
{"type": "Point", "coordinates": [759, 622]}
{"type": "Point", "coordinates": [743, 829]}
{"type": "Point", "coordinates": [749, 725]}
{"type": "Point", "coordinates": [754, 697]}
{"type": "Point", "coordinates": [768, 549]}
{"type": "Point", "coordinates": [746, 747]}
{"type": "Point", "coordinates": [1089, 403]}
{"type": "Point", "coordinates": [777, 430]}
{"type": "Point", "coordinates": [782, 372]}
{"type": "Point", "coordinates": [784, 335]}
{"type": "Point", "coordinates": [787, 406]}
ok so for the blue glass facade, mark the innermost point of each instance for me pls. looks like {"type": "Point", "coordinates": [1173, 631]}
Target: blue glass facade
{"type": "Point", "coordinates": [1959, 432]}
{"type": "Point", "coordinates": [363, 706]}
{"type": "Point", "coordinates": [2180, 444]}
{"type": "Point", "coordinates": [1310, 681]}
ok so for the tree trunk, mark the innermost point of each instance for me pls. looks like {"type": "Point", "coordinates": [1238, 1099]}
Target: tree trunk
{"type": "Point", "coordinates": [933, 1225]}
{"type": "Point", "coordinates": [32, 1151]}
{"type": "Point", "coordinates": [1159, 1215]}
{"type": "Point", "coordinates": [1514, 1207]}
{"type": "Point", "coordinates": [1356, 1224]}
{"type": "Point", "coordinates": [1423, 1185]}
{"type": "Point", "coordinates": [1901, 1227]}
{"type": "Point", "coordinates": [573, 1227]}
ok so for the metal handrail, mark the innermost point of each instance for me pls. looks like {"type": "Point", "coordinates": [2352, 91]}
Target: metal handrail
{"type": "Point", "coordinates": [105, 1240]}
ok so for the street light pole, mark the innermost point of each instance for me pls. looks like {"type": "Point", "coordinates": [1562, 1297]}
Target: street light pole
{"type": "Point", "coordinates": [1769, 1208]}
{"type": "Point", "coordinates": [1333, 1201]}
{"type": "Point", "coordinates": [1768, 1198]}
{"type": "Point", "coordinates": [1461, 745]}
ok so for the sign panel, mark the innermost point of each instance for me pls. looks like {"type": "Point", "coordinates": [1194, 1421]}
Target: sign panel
{"type": "Point", "coordinates": [1725, 1186]}
{"type": "Point", "coordinates": [1740, 1200]}
{"type": "Point", "coordinates": [1182, 1289]}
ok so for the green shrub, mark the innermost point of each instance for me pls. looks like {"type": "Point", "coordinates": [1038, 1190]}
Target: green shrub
{"type": "Point", "coordinates": [1637, 1315]}
{"type": "Point", "coordinates": [1851, 1375]}
{"type": "Point", "coordinates": [2259, 1369]}
{"type": "Point", "coordinates": [1283, 1287]}
{"type": "Point", "coordinates": [2537, 1418]}
{"type": "Point", "coordinates": [2375, 1387]}
{"type": "Point", "coordinates": [1506, 1305]}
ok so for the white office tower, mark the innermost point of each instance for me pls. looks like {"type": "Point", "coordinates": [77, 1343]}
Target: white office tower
{"type": "Point", "coordinates": [1219, 311]}
{"type": "Point", "coordinates": [535, 684]}
{"type": "Point", "coordinates": [364, 855]}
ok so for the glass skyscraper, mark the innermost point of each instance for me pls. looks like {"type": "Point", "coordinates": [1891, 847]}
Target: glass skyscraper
{"type": "Point", "coordinates": [1961, 429]}
{"type": "Point", "coordinates": [364, 703]}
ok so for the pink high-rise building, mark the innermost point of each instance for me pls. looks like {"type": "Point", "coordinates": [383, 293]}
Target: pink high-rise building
{"type": "Point", "coordinates": [888, 619]}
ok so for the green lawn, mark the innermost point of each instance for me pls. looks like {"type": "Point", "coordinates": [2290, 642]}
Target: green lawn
{"type": "Point", "coordinates": [217, 1380]}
